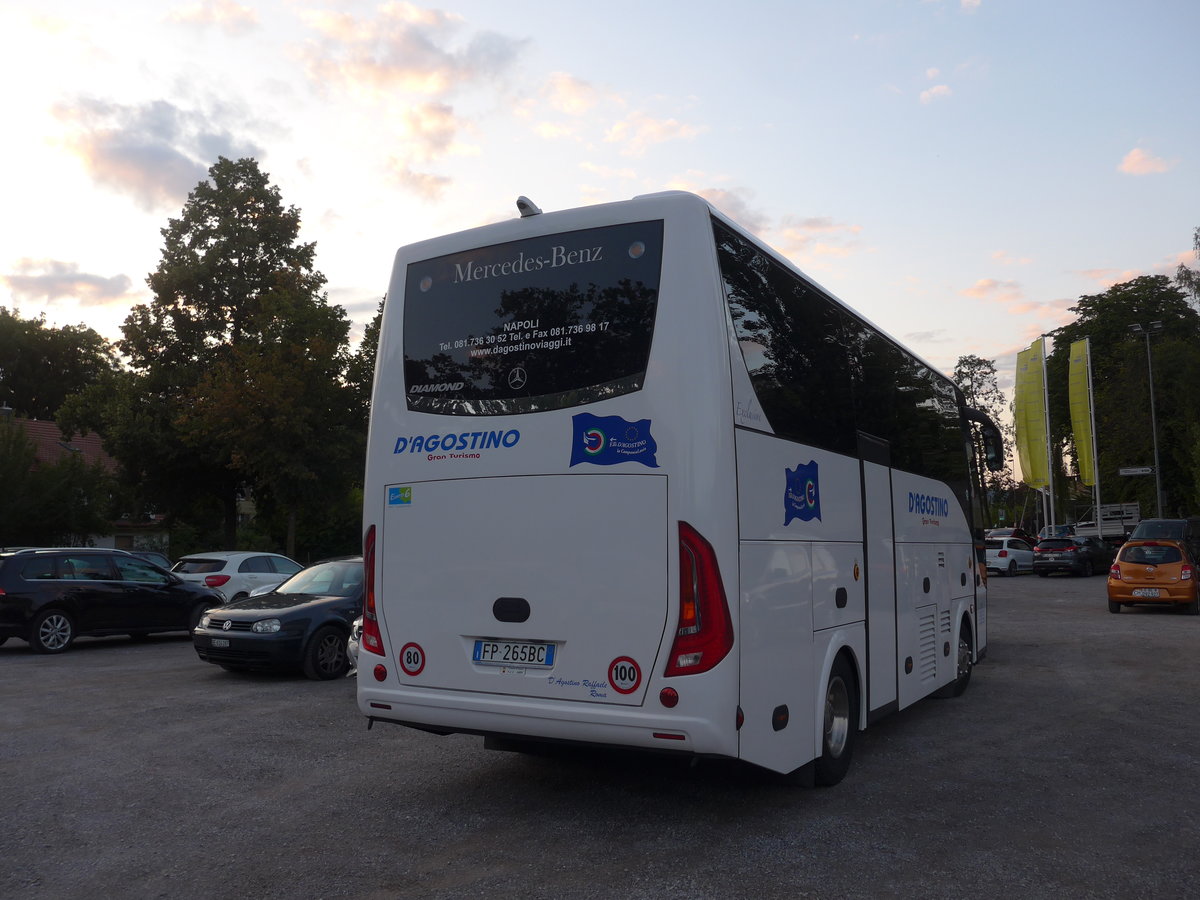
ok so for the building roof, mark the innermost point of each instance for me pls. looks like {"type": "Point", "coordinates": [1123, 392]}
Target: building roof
{"type": "Point", "coordinates": [50, 446]}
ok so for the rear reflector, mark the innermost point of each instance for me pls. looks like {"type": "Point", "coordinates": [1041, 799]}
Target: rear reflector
{"type": "Point", "coordinates": [372, 640]}
{"type": "Point", "coordinates": [704, 634]}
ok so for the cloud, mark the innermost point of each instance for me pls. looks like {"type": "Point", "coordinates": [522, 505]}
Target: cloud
{"type": "Point", "coordinates": [932, 73]}
{"type": "Point", "coordinates": [970, 5]}
{"type": "Point", "coordinates": [1108, 277]}
{"type": "Point", "coordinates": [431, 128]}
{"type": "Point", "coordinates": [937, 92]}
{"type": "Point", "coordinates": [570, 95]}
{"type": "Point", "coordinates": [818, 236]}
{"type": "Point", "coordinates": [638, 131]}
{"type": "Point", "coordinates": [1003, 258]}
{"type": "Point", "coordinates": [156, 153]}
{"type": "Point", "coordinates": [46, 280]}
{"type": "Point", "coordinates": [733, 202]}
{"type": "Point", "coordinates": [993, 291]}
{"type": "Point", "coordinates": [1139, 162]}
{"type": "Point", "coordinates": [402, 48]}
{"type": "Point", "coordinates": [424, 184]}
{"type": "Point", "coordinates": [608, 171]}
{"type": "Point", "coordinates": [232, 18]}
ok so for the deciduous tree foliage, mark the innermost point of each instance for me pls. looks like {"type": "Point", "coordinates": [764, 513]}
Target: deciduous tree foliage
{"type": "Point", "coordinates": [41, 366]}
{"type": "Point", "coordinates": [237, 368]}
{"type": "Point", "coordinates": [1121, 389]}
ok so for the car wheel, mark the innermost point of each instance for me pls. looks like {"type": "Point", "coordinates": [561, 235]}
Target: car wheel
{"type": "Point", "coordinates": [841, 725]}
{"type": "Point", "coordinates": [1193, 608]}
{"type": "Point", "coordinates": [51, 631]}
{"type": "Point", "coordinates": [1012, 569]}
{"type": "Point", "coordinates": [325, 657]}
{"type": "Point", "coordinates": [964, 666]}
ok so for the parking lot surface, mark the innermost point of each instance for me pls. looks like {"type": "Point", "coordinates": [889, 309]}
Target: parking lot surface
{"type": "Point", "coordinates": [1070, 768]}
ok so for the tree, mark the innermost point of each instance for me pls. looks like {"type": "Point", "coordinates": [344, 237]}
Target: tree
{"type": "Point", "coordinates": [59, 504]}
{"type": "Point", "coordinates": [237, 367]}
{"type": "Point", "coordinates": [40, 366]}
{"type": "Point", "coordinates": [976, 378]}
{"type": "Point", "coordinates": [1121, 388]}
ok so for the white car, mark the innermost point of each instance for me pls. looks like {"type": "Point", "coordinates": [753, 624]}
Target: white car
{"type": "Point", "coordinates": [352, 645]}
{"type": "Point", "coordinates": [236, 574]}
{"type": "Point", "coordinates": [1008, 555]}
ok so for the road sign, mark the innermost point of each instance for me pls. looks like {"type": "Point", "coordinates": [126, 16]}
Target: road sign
{"type": "Point", "coordinates": [1137, 470]}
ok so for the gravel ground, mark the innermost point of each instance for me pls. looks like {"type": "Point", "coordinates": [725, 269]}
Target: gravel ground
{"type": "Point", "coordinates": [1068, 769]}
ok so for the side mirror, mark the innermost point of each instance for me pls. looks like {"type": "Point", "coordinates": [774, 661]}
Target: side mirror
{"type": "Point", "coordinates": [993, 441]}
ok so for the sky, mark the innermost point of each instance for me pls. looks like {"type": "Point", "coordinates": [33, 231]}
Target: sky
{"type": "Point", "coordinates": [958, 171]}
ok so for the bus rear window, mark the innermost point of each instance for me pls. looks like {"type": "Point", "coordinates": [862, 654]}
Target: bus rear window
{"type": "Point", "coordinates": [546, 323]}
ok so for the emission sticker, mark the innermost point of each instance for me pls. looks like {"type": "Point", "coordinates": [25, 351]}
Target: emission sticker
{"type": "Point", "coordinates": [624, 674]}
{"type": "Point", "coordinates": [412, 659]}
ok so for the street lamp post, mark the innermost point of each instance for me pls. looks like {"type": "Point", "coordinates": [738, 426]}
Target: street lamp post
{"type": "Point", "coordinates": [1154, 327]}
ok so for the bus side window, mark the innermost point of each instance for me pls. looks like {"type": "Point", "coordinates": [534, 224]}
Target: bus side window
{"type": "Point", "coordinates": [793, 343]}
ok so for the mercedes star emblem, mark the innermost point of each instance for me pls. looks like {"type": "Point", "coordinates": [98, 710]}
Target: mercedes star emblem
{"type": "Point", "coordinates": [517, 378]}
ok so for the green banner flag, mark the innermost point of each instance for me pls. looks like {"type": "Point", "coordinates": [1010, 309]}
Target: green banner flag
{"type": "Point", "coordinates": [1080, 386]}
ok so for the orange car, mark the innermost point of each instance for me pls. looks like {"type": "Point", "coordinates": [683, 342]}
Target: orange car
{"type": "Point", "coordinates": [1153, 572]}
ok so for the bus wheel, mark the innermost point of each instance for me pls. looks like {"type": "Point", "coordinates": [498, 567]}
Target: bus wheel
{"type": "Point", "coordinates": [841, 725]}
{"type": "Point", "coordinates": [964, 666]}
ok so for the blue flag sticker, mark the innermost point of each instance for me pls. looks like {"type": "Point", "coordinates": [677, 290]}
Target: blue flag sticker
{"type": "Point", "coordinates": [802, 494]}
{"type": "Point", "coordinates": [609, 440]}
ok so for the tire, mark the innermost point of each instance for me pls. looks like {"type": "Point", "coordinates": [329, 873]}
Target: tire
{"type": "Point", "coordinates": [51, 631]}
{"type": "Point", "coordinates": [964, 665]}
{"type": "Point", "coordinates": [325, 656]}
{"type": "Point", "coordinates": [1012, 569]}
{"type": "Point", "coordinates": [1113, 606]}
{"type": "Point", "coordinates": [841, 725]}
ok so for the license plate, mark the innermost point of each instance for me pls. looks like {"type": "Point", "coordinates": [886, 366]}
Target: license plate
{"type": "Point", "coordinates": [218, 643]}
{"type": "Point", "coordinates": [1146, 592]}
{"type": "Point", "coordinates": [513, 653]}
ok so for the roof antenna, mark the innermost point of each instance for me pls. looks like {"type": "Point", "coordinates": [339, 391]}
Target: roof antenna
{"type": "Point", "coordinates": [527, 207]}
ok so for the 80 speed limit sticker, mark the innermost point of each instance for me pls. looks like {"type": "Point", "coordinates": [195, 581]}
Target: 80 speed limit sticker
{"type": "Point", "coordinates": [412, 659]}
{"type": "Point", "coordinates": [624, 675]}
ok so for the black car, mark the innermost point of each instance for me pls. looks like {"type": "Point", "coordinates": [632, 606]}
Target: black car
{"type": "Point", "coordinates": [1078, 555]}
{"type": "Point", "coordinates": [49, 597]}
{"type": "Point", "coordinates": [303, 623]}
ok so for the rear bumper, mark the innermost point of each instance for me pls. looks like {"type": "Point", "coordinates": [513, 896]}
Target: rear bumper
{"type": "Point", "coordinates": [1119, 592]}
{"type": "Point", "coordinates": [651, 727]}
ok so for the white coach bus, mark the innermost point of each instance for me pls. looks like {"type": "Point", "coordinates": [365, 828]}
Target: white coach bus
{"type": "Point", "coordinates": [634, 480]}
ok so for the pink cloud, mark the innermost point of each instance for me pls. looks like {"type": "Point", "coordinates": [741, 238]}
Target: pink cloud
{"type": "Point", "coordinates": [1139, 162]}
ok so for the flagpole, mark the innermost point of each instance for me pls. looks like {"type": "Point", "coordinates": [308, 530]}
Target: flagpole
{"type": "Point", "coordinates": [1095, 444]}
{"type": "Point", "coordinates": [1053, 520]}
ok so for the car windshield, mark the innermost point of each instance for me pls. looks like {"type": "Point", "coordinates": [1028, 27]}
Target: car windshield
{"type": "Point", "coordinates": [1171, 531]}
{"type": "Point", "coordinates": [331, 579]}
{"type": "Point", "coordinates": [198, 566]}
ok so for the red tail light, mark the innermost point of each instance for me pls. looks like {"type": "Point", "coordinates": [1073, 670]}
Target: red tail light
{"type": "Point", "coordinates": [1002, 554]}
{"type": "Point", "coordinates": [215, 581]}
{"type": "Point", "coordinates": [1115, 572]}
{"type": "Point", "coordinates": [372, 640]}
{"type": "Point", "coordinates": [704, 636]}
{"type": "Point", "coordinates": [1185, 572]}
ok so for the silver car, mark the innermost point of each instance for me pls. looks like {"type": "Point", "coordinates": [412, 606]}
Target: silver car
{"type": "Point", "coordinates": [1008, 555]}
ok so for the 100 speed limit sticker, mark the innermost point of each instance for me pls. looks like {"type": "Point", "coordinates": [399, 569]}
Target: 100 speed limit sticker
{"type": "Point", "coordinates": [624, 674]}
